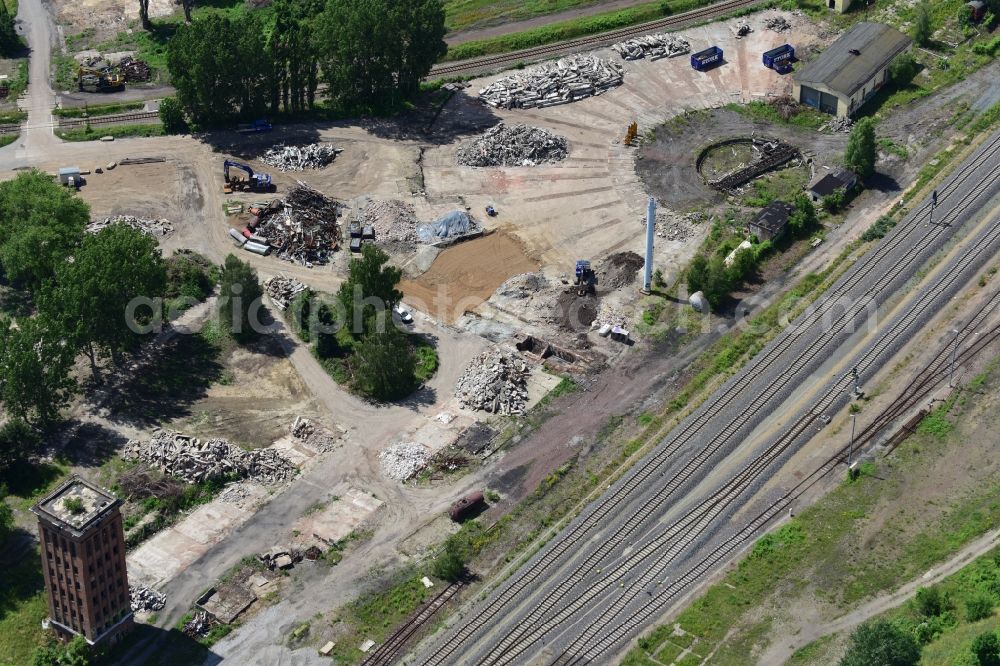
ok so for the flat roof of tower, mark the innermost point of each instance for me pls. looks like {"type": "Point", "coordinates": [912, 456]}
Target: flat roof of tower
{"type": "Point", "coordinates": [75, 505]}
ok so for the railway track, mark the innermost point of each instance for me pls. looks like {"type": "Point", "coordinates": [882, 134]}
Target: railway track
{"type": "Point", "coordinates": [593, 41]}
{"type": "Point", "coordinates": [387, 652]}
{"type": "Point", "coordinates": [584, 648]}
{"type": "Point", "coordinates": [142, 117]}
{"type": "Point", "coordinates": [620, 495]}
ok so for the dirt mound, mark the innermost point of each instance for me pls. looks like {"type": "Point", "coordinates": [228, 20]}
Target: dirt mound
{"type": "Point", "coordinates": [619, 270]}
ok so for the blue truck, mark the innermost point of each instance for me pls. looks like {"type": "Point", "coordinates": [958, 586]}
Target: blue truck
{"type": "Point", "coordinates": [255, 127]}
{"type": "Point", "coordinates": [707, 59]}
{"type": "Point", "coordinates": [780, 59]}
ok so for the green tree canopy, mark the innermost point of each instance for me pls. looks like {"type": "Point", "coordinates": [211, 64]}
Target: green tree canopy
{"type": "Point", "coordinates": [17, 441]}
{"type": "Point", "coordinates": [450, 563]}
{"type": "Point", "coordinates": [384, 363]}
{"type": "Point", "coordinates": [862, 149]}
{"type": "Point", "coordinates": [986, 649]}
{"type": "Point", "coordinates": [697, 274]}
{"type": "Point", "coordinates": [35, 381]}
{"type": "Point", "coordinates": [90, 295]}
{"type": "Point", "coordinates": [369, 288]}
{"type": "Point", "coordinates": [240, 295]}
{"type": "Point", "coordinates": [379, 50]}
{"type": "Point", "coordinates": [803, 219]}
{"type": "Point", "coordinates": [922, 23]}
{"type": "Point", "coordinates": [10, 43]}
{"type": "Point", "coordinates": [40, 224]}
{"type": "Point", "coordinates": [880, 643]}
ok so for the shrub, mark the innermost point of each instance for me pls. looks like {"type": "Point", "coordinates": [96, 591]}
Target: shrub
{"type": "Point", "coordinates": [978, 607]}
{"type": "Point", "coordinates": [172, 116]}
{"type": "Point", "coordinates": [928, 601]}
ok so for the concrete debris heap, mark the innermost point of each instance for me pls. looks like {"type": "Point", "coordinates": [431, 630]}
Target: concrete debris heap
{"type": "Point", "coordinates": [777, 24]}
{"type": "Point", "coordinates": [283, 290]}
{"type": "Point", "coordinates": [199, 625]}
{"type": "Point", "coordinates": [608, 314]}
{"type": "Point", "coordinates": [655, 47]}
{"type": "Point", "coordinates": [835, 125]}
{"type": "Point", "coordinates": [280, 558]}
{"type": "Point", "coordinates": [567, 80]}
{"type": "Point", "coordinates": [402, 460]}
{"type": "Point", "coordinates": [394, 221]}
{"type": "Point", "coordinates": [302, 228]}
{"type": "Point", "coordinates": [300, 158]}
{"type": "Point", "coordinates": [312, 434]}
{"type": "Point", "coordinates": [496, 382]}
{"type": "Point", "coordinates": [147, 226]}
{"type": "Point", "coordinates": [515, 145]}
{"type": "Point", "coordinates": [673, 227]}
{"type": "Point", "coordinates": [742, 29]}
{"type": "Point", "coordinates": [145, 599]}
{"type": "Point", "coordinates": [194, 461]}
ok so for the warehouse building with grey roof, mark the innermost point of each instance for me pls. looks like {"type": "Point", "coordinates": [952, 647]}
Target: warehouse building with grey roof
{"type": "Point", "coordinates": [851, 70]}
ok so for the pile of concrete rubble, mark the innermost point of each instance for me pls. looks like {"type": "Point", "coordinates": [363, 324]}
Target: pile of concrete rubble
{"type": "Point", "coordinates": [513, 145]}
{"type": "Point", "coordinates": [145, 599]}
{"type": "Point", "coordinates": [280, 558]}
{"type": "Point", "coordinates": [199, 625]}
{"type": "Point", "coordinates": [402, 460]}
{"type": "Point", "coordinates": [394, 221]}
{"type": "Point", "coordinates": [656, 46]}
{"type": "Point", "coordinates": [496, 382]}
{"type": "Point", "coordinates": [777, 24]}
{"type": "Point", "coordinates": [312, 434]}
{"type": "Point", "coordinates": [194, 461]}
{"type": "Point", "coordinates": [302, 228]}
{"type": "Point", "coordinates": [147, 226]}
{"type": "Point", "coordinates": [673, 227]}
{"type": "Point", "coordinates": [608, 314]}
{"type": "Point", "coordinates": [283, 290]}
{"type": "Point", "coordinates": [742, 29]}
{"type": "Point", "coordinates": [300, 158]}
{"type": "Point", "coordinates": [567, 80]}
{"type": "Point", "coordinates": [835, 125]}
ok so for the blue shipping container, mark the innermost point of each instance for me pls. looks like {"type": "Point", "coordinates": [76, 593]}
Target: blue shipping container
{"type": "Point", "coordinates": [707, 59]}
{"type": "Point", "coordinates": [783, 53]}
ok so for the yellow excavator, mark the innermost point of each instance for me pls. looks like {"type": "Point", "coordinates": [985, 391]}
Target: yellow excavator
{"type": "Point", "coordinates": [106, 79]}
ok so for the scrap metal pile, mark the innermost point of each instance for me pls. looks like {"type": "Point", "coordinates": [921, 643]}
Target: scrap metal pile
{"type": "Point", "coordinates": [567, 80]}
{"type": "Point", "coordinates": [300, 158]}
{"type": "Point", "coordinates": [496, 382]}
{"type": "Point", "coordinates": [514, 145]}
{"type": "Point", "coordinates": [145, 599]}
{"type": "Point", "coordinates": [152, 227]}
{"type": "Point", "coordinates": [302, 228]}
{"type": "Point", "coordinates": [742, 29]}
{"type": "Point", "coordinates": [194, 461]}
{"type": "Point", "coordinates": [777, 24]}
{"type": "Point", "coordinates": [283, 290]}
{"type": "Point", "coordinates": [394, 221]}
{"type": "Point", "coordinates": [402, 460]}
{"type": "Point", "coordinates": [135, 70]}
{"type": "Point", "coordinates": [656, 46]}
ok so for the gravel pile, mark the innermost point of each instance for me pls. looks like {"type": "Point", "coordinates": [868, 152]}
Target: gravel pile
{"type": "Point", "coordinates": [194, 461]}
{"type": "Point", "coordinates": [394, 221]}
{"type": "Point", "coordinates": [522, 286]}
{"type": "Point", "coordinates": [662, 45]}
{"type": "Point", "coordinates": [611, 315]}
{"type": "Point", "coordinates": [283, 290]}
{"type": "Point", "coordinates": [145, 599]}
{"type": "Point", "coordinates": [620, 269]}
{"type": "Point", "coordinates": [777, 24]}
{"type": "Point", "coordinates": [147, 226]}
{"type": "Point", "coordinates": [496, 382]}
{"type": "Point", "coordinates": [402, 460]}
{"type": "Point", "coordinates": [742, 29]}
{"type": "Point", "coordinates": [674, 227]}
{"type": "Point", "coordinates": [514, 145]}
{"type": "Point", "coordinates": [567, 80]}
{"type": "Point", "coordinates": [300, 158]}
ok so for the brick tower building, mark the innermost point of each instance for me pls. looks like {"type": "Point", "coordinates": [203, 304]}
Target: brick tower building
{"type": "Point", "coordinates": [83, 559]}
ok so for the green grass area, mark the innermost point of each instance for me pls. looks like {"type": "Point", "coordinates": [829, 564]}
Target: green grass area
{"type": "Point", "coordinates": [22, 609]}
{"type": "Point", "coordinates": [117, 131]}
{"type": "Point", "coordinates": [92, 110]}
{"type": "Point", "coordinates": [7, 139]}
{"type": "Point", "coordinates": [783, 184]}
{"type": "Point", "coordinates": [427, 359]}
{"type": "Point", "coordinates": [579, 27]}
{"type": "Point", "coordinates": [12, 117]}
{"type": "Point", "coordinates": [803, 116]}
{"type": "Point", "coordinates": [819, 547]}
{"type": "Point", "coordinates": [465, 14]}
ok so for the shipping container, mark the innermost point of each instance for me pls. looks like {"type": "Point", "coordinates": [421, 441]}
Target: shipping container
{"type": "Point", "coordinates": [257, 248]}
{"type": "Point", "coordinates": [710, 57]}
{"type": "Point", "coordinates": [783, 54]}
{"type": "Point", "coordinates": [237, 236]}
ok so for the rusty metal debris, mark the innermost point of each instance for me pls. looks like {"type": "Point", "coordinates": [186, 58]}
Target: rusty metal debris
{"type": "Point", "coordinates": [777, 24]}
{"type": "Point", "coordinates": [302, 228]}
{"type": "Point", "coordinates": [512, 145]}
{"type": "Point", "coordinates": [145, 599]}
{"type": "Point", "coordinates": [742, 29]}
{"type": "Point", "coordinates": [283, 290]}
{"type": "Point", "coordinates": [567, 80]}
{"type": "Point", "coordinates": [135, 70]}
{"type": "Point", "coordinates": [199, 625]}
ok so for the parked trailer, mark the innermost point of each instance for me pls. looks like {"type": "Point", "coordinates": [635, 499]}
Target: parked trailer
{"type": "Point", "coordinates": [257, 248]}
{"type": "Point", "coordinates": [707, 59]}
{"type": "Point", "coordinates": [237, 237]}
{"type": "Point", "coordinates": [466, 506]}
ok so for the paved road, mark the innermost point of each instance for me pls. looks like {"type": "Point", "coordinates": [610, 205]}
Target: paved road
{"type": "Point", "coordinates": [36, 140]}
{"type": "Point", "coordinates": [573, 591]}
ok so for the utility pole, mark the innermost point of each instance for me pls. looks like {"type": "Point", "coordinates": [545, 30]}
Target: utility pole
{"type": "Point", "coordinates": [933, 204]}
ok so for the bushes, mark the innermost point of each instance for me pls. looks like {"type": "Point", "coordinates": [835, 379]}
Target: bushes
{"type": "Point", "coordinates": [879, 229]}
{"type": "Point", "coordinates": [172, 116]}
{"type": "Point", "coordinates": [190, 276]}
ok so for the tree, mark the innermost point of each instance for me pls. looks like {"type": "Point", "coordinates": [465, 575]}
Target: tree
{"type": "Point", "coordinates": [803, 219]}
{"type": "Point", "coordinates": [862, 149]}
{"type": "Point", "coordinates": [834, 201]}
{"type": "Point", "coordinates": [384, 363]}
{"type": "Point", "coordinates": [382, 50]}
{"type": "Point", "coordinates": [904, 68]}
{"type": "Point", "coordinates": [187, 5]}
{"type": "Point", "coordinates": [172, 116]}
{"type": "Point", "coordinates": [370, 288]}
{"type": "Point", "coordinates": [6, 516]}
{"type": "Point", "coordinates": [35, 381]}
{"type": "Point", "coordinates": [295, 46]}
{"type": "Point", "coordinates": [978, 607]}
{"type": "Point", "coordinates": [144, 15]}
{"type": "Point", "coordinates": [880, 643]}
{"type": "Point", "coordinates": [91, 295]}
{"type": "Point", "coordinates": [240, 296]}
{"type": "Point", "coordinates": [17, 442]}
{"type": "Point", "coordinates": [10, 43]}
{"type": "Point", "coordinates": [928, 601]}
{"type": "Point", "coordinates": [986, 649]}
{"type": "Point", "coordinates": [450, 563]}
{"type": "Point", "coordinates": [40, 224]}
{"type": "Point", "coordinates": [743, 265]}
{"type": "Point", "coordinates": [697, 274]}
{"type": "Point", "coordinates": [719, 282]}
{"type": "Point", "coordinates": [966, 17]}
{"type": "Point", "coordinates": [922, 23]}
